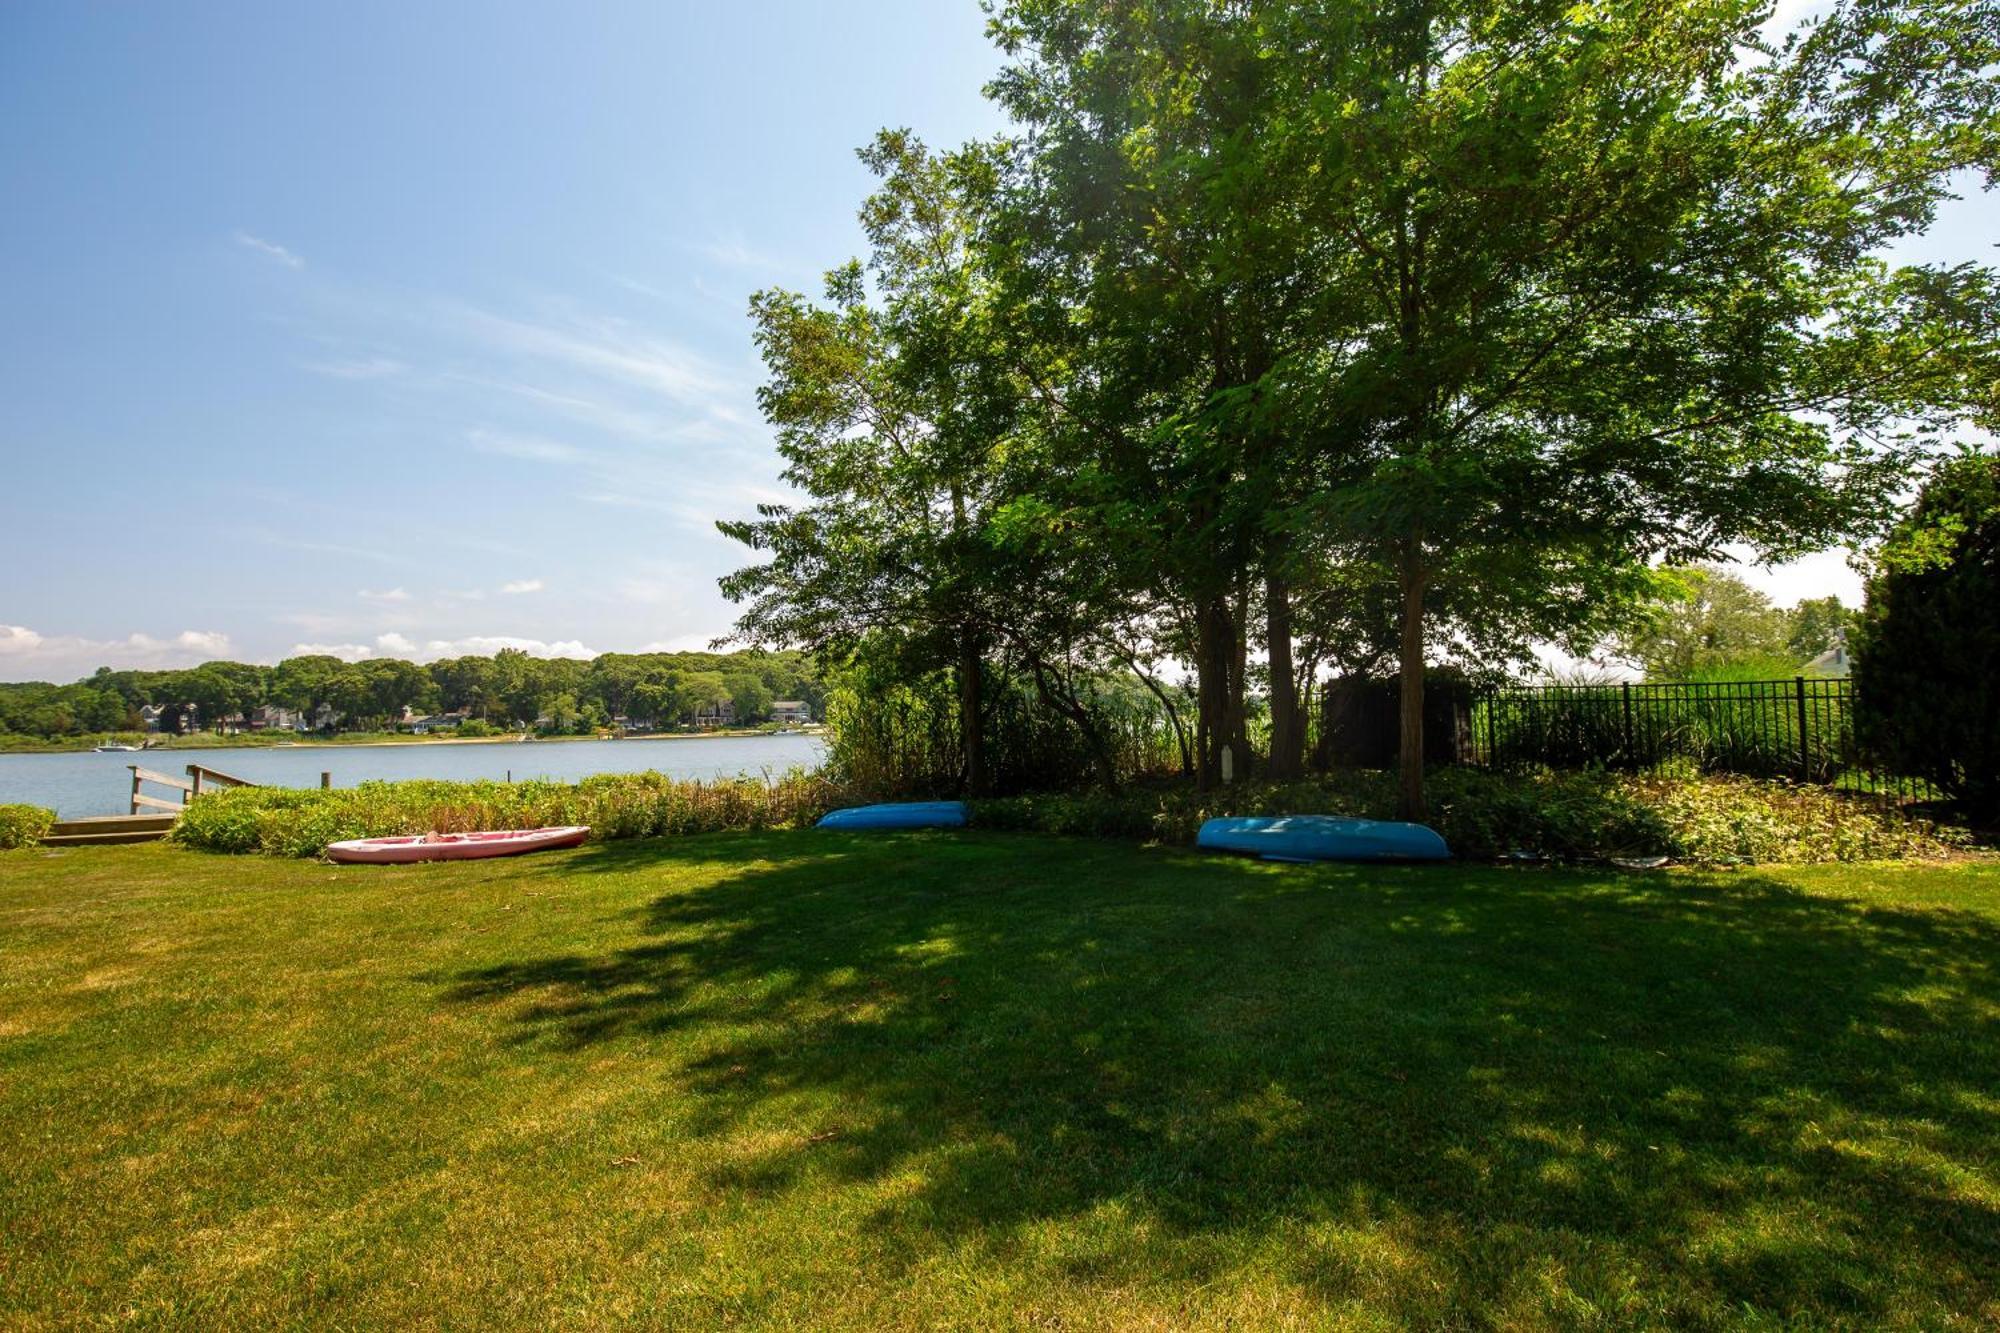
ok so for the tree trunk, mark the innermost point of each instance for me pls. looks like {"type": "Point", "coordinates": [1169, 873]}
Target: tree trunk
{"type": "Point", "coordinates": [1288, 734]}
{"type": "Point", "coordinates": [1411, 803]}
{"type": "Point", "coordinates": [1238, 737]}
{"type": "Point", "coordinates": [971, 723]}
{"type": "Point", "coordinates": [1214, 640]}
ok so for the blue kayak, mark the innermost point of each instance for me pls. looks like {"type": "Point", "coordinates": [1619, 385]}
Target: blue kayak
{"type": "Point", "coordinates": [1323, 838]}
{"type": "Point", "coordinates": [905, 814]}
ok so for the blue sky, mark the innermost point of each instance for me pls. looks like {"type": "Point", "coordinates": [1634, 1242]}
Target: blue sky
{"type": "Point", "coordinates": [404, 328]}
{"type": "Point", "coordinates": [413, 329]}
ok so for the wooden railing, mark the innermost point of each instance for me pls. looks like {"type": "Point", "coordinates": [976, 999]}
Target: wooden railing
{"type": "Point", "coordinates": [213, 778]}
{"type": "Point", "coordinates": [141, 801]}
{"type": "Point", "coordinates": [198, 778]}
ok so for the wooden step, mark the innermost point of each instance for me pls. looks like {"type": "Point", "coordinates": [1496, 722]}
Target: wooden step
{"type": "Point", "coordinates": [115, 824]}
{"type": "Point", "coordinates": [103, 839]}
{"type": "Point", "coordinates": [109, 830]}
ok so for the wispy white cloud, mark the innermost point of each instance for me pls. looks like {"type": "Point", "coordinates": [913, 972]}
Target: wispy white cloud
{"type": "Point", "coordinates": [29, 654]}
{"type": "Point", "coordinates": [389, 595]}
{"type": "Point", "coordinates": [361, 368]}
{"type": "Point", "coordinates": [519, 586]}
{"type": "Point", "coordinates": [269, 249]}
{"type": "Point", "coordinates": [607, 348]}
{"type": "Point", "coordinates": [532, 448]}
{"type": "Point", "coordinates": [732, 251]}
{"type": "Point", "coordinates": [341, 549]}
{"type": "Point", "coordinates": [693, 501]}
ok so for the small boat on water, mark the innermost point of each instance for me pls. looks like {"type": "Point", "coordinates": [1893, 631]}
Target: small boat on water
{"type": "Point", "coordinates": [900, 815]}
{"type": "Point", "coordinates": [1322, 838]}
{"type": "Point", "coordinates": [118, 749]}
{"type": "Point", "coordinates": [454, 846]}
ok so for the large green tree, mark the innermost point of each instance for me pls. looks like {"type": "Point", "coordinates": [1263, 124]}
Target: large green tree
{"type": "Point", "coordinates": [1605, 294]}
{"type": "Point", "coordinates": [893, 419]}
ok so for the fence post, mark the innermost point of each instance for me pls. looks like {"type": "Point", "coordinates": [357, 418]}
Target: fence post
{"type": "Point", "coordinates": [1805, 740]}
{"type": "Point", "coordinates": [1631, 752]}
{"type": "Point", "coordinates": [325, 781]}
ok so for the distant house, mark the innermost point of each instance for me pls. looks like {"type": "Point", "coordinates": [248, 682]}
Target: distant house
{"type": "Point", "coordinates": [324, 718]}
{"type": "Point", "coordinates": [150, 714]}
{"type": "Point", "coordinates": [791, 712]}
{"type": "Point", "coordinates": [719, 714]}
{"type": "Point", "coordinates": [639, 724]}
{"type": "Point", "coordinates": [1834, 662]}
{"type": "Point", "coordinates": [272, 717]}
{"type": "Point", "coordinates": [421, 724]}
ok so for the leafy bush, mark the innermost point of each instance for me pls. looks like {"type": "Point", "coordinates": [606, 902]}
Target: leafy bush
{"type": "Point", "coordinates": [1487, 816]}
{"type": "Point", "coordinates": [24, 825]}
{"type": "Point", "coordinates": [287, 822]}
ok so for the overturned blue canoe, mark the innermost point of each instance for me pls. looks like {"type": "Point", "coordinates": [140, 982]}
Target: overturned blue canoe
{"type": "Point", "coordinates": [904, 814]}
{"type": "Point", "coordinates": [1323, 838]}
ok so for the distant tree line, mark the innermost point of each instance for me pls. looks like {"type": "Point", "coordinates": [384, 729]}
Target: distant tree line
{"type": "Point", "coordinates": [507, 690]}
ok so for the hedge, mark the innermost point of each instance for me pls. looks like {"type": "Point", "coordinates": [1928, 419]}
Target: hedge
{"type": "Point", "coordinates": [24, 825]}
{"type": "Point", "coordinates": [1557, 816]}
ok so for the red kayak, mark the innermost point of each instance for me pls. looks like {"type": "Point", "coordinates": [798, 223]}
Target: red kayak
{"type": "Point", "coordinates": [454, 846]}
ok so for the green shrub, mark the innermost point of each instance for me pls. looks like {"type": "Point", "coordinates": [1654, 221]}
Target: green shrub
{"type": "Point", "coordinates": [1489, 816]}
{"type": "Point", "coordinates": [1928, 645]}
{"type": "Point", "coordinates": [24, 825]}
{"type": "Point", "coordinates": [288, 822]}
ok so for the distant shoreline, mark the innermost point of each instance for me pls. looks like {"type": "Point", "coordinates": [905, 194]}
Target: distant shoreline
{"type": "Point", "coordinates": [181, 744]}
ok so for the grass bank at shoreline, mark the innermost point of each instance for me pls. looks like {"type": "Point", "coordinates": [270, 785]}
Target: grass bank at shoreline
{"type": "Point", "coordinates": [842, 1081]}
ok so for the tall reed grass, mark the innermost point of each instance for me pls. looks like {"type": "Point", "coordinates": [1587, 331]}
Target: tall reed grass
{"type": "Point", "coordinates": [287, 822]}
{"type": "Point", "coordinates": [903, 738]}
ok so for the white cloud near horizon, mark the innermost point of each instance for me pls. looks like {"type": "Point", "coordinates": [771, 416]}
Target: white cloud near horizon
{"type": "Point", "coordinates": [67, 657]}
{"type": "Point", "coordinates": [520, 586]}
{"type": "Point", "coordinates": [269, 249]}
{"type": "Point", "coordinates": [475, 645]}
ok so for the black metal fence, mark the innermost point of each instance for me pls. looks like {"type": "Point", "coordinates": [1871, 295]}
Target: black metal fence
{"type": "Point", "coordinates": [1801, 728]}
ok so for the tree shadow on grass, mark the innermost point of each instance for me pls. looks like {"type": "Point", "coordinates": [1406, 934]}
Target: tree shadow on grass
{"type": "Point", "coordinates": [1666, 1096]}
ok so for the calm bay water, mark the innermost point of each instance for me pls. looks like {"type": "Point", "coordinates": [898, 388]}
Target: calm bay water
{"type": "Point", "coordinates": [74, 785]}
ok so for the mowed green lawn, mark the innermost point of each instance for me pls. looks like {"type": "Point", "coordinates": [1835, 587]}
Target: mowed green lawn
{"type": "Point", "coordinates": [839, 1081]}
